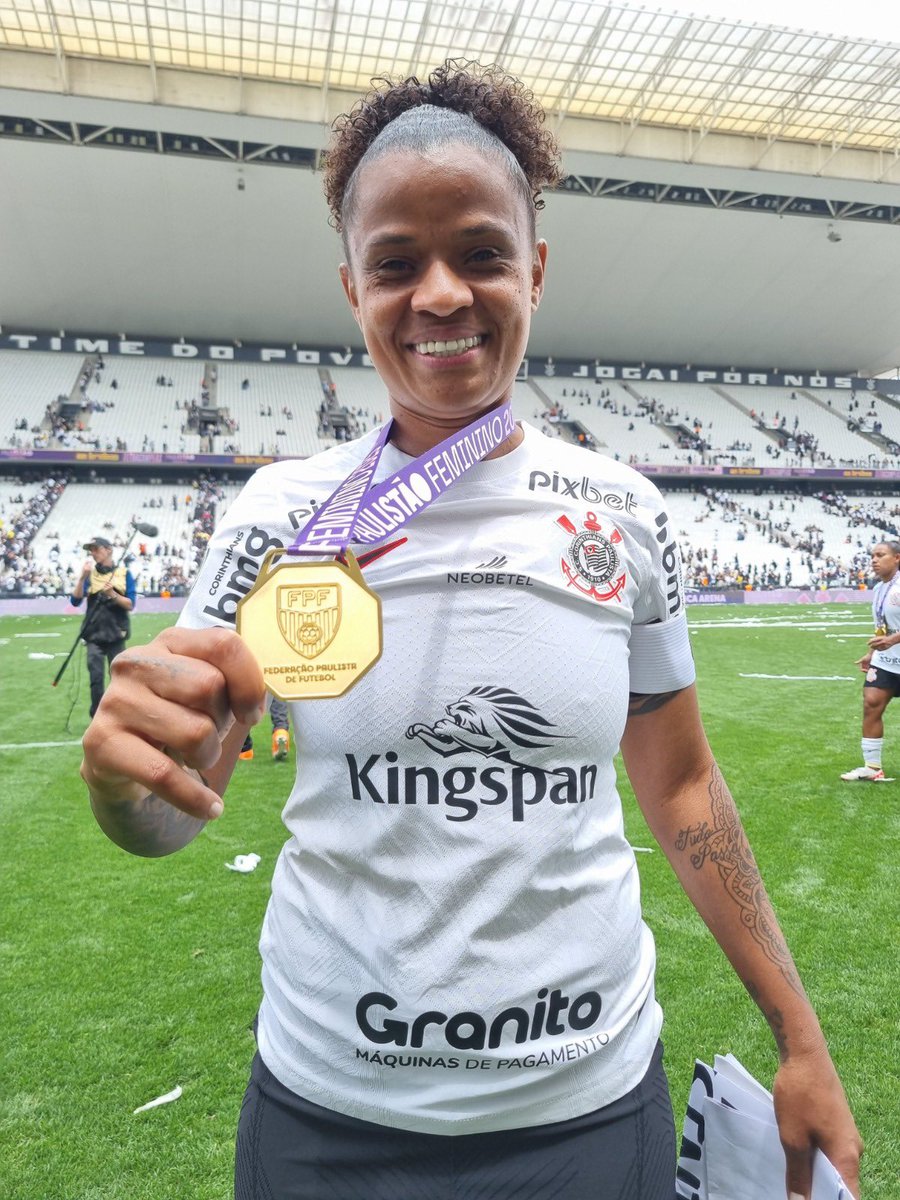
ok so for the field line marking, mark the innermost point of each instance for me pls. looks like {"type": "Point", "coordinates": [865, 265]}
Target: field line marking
{"type": "Point", "coordinates": [35, 745]}
{"type": "Point", "coordinates": [808, 625]}
{"type": "Point", "coordinates": [822, 678]}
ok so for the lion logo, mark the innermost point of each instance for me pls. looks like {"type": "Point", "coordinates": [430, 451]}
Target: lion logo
{"type": "Point", "coordinates": [486, 721]}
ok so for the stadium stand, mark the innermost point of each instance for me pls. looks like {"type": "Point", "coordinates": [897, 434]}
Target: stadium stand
{"type": "Point", "coordinates": [811, 425]}
{"type": "Point", "coordinates": [84, 510]}
{"type": "Point", "coordinates": [613, 416]}
{"type": "Point", "coordinates": [275, 408]}
{"type": "Point", "coordinates": [729, 537]}
{"type": "Point", "coordinates": [130, 405]}
{"type": "Point", "coordinates": [363, 391]}
{"type": "Point", "coordinates": [14, 495]}
{"type": "Point", "coordinates": [29, 383]}
{"type": "Point", "coordinates": [734, 538]}
{"type": "Point", "coordinates": [707, 414]}
{"type": "Point", "coordinates": [875, 414]}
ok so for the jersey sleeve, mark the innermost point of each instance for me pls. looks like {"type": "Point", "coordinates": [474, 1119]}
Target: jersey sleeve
{"type": "Point", "coordinates": [660, 649]}
{"type": "Point", "coordinates": [272, 508]}
{"type": "Point", "coordinates": [257, 521]}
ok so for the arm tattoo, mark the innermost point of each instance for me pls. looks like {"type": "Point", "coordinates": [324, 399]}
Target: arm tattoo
{"type": "Point", "coordinates": [724, 843]}
{"type": "Point", "coordinates": [640, 703]}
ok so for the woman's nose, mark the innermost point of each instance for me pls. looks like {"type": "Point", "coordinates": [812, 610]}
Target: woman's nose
{"type": "Point", "coordinates": [441, 291]}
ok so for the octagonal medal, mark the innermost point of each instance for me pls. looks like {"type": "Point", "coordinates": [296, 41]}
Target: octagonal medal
{"type": "Point", "coordinates": [313, 627]}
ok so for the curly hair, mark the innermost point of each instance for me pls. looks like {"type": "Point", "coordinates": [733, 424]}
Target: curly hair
{"type": "Point", "coordinates": [491, 99]}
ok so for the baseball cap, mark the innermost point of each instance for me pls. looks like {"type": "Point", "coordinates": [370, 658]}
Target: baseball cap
{"type": "Point", "coordinates": [97, 541]}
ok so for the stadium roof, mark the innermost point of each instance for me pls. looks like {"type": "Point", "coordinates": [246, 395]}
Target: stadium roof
{"type": "Point", "coordinates": [733, 190]}
{"type": "Point", "coordinates": [610, 62]}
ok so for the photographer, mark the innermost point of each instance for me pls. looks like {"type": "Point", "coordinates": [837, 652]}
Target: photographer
{"type": "Point", "coordinates": [110, 595]}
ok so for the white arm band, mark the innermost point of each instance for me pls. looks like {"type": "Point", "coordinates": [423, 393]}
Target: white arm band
{"type": "Point", "coordinates": [661, 659]}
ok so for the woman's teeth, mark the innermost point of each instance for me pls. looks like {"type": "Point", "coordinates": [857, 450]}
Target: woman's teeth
{"type": "Point", "coordinates": [445, 349]}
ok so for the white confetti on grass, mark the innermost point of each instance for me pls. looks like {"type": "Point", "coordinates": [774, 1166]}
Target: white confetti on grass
{"type": "Point", "coordinates": [166, 1099]}
{"type": "Point", "coordinates": [245, 863]}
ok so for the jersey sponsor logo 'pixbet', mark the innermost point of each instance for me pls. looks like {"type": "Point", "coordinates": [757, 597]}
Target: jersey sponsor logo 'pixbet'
{"type": "Point", "coordinates": [493, 723]}
{"type": "Point", "coordinates": [583, 489]}
{"type": "Point", "coordinates": [591, 562]}
{"type": "Point", "coordinates": [552, 1013]}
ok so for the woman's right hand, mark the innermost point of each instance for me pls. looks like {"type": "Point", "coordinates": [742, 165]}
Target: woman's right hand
{"type": "Point", "coordinates": [171, 704]}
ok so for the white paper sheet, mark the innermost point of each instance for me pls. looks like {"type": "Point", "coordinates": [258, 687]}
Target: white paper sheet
{"type": "Point", "coordinates": [730, 1147]}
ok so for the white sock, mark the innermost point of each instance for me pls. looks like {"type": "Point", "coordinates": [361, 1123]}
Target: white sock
{"type": "Point", "coordinates": [871, 752]}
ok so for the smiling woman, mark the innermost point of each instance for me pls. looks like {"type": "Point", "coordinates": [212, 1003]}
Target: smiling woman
{"type": "Point", "coordinates": [457, 881]}
{"type": "Point", "coordinates": [444, 275]}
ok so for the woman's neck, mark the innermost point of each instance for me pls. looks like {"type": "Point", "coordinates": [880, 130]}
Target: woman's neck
{"type": "Point", "coordinates": [414, 435]}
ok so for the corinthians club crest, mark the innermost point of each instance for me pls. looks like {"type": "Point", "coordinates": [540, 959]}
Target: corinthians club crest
{"type": "Point", "coordinates": [591, 563]}
{"type": "Point", "coordinates": [309, 617]}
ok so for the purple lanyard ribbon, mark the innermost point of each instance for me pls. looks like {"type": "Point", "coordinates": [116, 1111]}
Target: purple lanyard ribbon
{"type": "Point", "coordinates": [882, 596]}
{"type": "Point", "coordinates": [356, 511]}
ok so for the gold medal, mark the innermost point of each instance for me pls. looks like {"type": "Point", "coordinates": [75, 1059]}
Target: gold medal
{"type": "Point", "coordinates": [313, 627]}
{"type": "Point", "coordinates": [881, 631]}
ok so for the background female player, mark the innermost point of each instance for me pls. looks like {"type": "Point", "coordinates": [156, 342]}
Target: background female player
{"type": "Point", "coordinates": [882, 663]}
{"type": "Point", "coordinates": [457, 983]}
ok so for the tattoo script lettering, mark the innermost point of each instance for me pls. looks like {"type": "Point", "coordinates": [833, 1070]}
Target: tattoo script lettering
{"type": "Point", "coordinates": [721, 840]}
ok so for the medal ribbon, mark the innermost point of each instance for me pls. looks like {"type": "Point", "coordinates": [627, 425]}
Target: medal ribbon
{"type": "Point", "coordinates": [356, 511]}
{"type": "Point", "coordinates": [882, 596]}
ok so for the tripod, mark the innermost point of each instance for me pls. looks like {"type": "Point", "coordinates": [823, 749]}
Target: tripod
{"type": "Point", "coordinates": [137, 527]}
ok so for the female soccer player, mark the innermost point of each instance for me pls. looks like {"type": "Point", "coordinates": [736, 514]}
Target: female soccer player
{"type": "Point", "coordinates": [881, 665]}
{"type": "Point", "coordinates": [458, 987]}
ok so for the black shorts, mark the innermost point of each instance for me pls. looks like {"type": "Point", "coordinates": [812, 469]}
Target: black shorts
{"type": "Point", "coordinates": [291, 1149]}
{"type": "Point", "coordinates": [885, 681]}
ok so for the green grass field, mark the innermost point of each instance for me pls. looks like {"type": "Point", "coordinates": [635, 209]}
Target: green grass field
{"type": "Point", "coordinates": [120, 977]}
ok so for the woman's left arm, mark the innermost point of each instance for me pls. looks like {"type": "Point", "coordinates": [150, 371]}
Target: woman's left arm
{"type": "Point", "coordinates": [689, 809]}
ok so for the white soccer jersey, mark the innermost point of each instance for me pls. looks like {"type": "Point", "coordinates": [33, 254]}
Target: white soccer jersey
{"type": "Point", "coordinates": [886, 615]}
{"type": "Point", "coordinates": [454, 940]}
